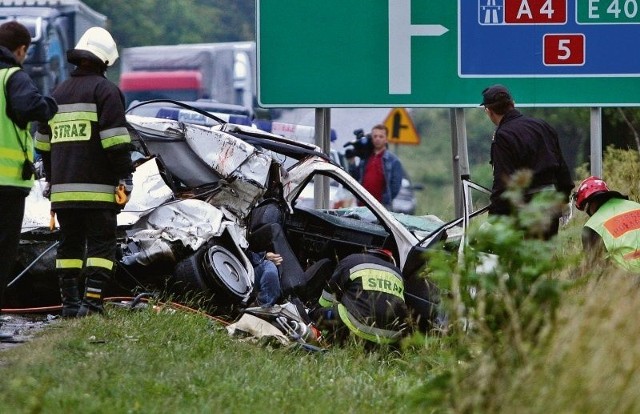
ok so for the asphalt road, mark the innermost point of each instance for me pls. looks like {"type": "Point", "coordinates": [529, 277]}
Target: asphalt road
{"type": "Point", "coordinates": [23, 328]}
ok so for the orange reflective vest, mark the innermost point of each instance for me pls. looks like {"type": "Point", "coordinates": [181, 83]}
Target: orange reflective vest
{"type": "Point", "coordinates": [617, 221]}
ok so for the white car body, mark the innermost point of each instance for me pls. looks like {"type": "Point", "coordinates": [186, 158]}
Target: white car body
{"type": "Point", "coordinates": [199, 186]}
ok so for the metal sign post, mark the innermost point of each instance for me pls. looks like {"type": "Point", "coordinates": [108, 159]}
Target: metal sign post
{"type": "Point", "coordinates": [460, 158]}
{"type": "Point", "coordinates": [323, 140]}
{"type": "Point", "coordinates": [596, 142]}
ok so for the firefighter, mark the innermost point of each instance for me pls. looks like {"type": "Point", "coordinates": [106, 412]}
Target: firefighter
{"type": "Point", "coordinates": [365, 294]}
{"type": "Point", "coordinates": [86, 154]}
{"type": "Point", "coordinates": [614, 223]}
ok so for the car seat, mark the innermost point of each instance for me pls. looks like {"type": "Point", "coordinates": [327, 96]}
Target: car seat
{"type": "Point", "coordinates": [309, 284]}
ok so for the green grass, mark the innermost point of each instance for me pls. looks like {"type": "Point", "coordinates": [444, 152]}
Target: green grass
{"type": "Point", "coordinates": [175, 361]}
{"type": "Point", "coordinates": [582, 358]}
{"type": "Point", "coordinates": [591, 364]}
{"type": "Point", "coordinates": [146, 361]}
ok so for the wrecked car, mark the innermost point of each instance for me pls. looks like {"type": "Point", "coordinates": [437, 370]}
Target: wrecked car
{"type": "Point", "coordinates": [199, 194]}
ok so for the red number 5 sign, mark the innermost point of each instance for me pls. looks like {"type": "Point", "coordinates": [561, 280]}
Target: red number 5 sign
{"type": "Point", "coordinates": [564, 49]}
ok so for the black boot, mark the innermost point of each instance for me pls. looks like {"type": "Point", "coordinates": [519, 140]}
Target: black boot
{"type": "Point", "coordinates": [92, 301]}
{"type": "Point", "coordinates": [70, 294]}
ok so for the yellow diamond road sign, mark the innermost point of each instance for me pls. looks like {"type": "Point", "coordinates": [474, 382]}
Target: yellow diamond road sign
{"type": "Point", "coordinates": [401, 128]}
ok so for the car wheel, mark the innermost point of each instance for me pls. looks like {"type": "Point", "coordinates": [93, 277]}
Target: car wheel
{"type": "Point", "coordinates": [226, 274]}
{"type": "Point", "coordinates": [189, 276]}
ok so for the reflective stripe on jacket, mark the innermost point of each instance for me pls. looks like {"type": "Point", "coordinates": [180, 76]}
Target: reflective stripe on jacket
{"type": "Point", "coordinates": [86, 146]}
{"type": "Point", "coordinates": [12, 141]}
{"type": "Point", "coordinates": [370, 333]}
{"type": "Point", "coordinates": [617, 222]}
{"type": "Point", "coordinates": [370, 296]}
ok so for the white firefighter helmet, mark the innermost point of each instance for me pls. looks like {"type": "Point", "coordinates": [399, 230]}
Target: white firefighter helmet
{"type": "Point", "coordinates": [97, 42]}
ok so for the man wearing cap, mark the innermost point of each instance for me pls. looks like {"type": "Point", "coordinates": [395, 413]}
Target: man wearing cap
{"type": "Point", "coordinates": [523, 143]}
{"type": "Point", "coordinates": [613, 225]}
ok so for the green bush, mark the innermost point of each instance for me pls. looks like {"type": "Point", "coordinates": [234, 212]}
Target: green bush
{"type": "Point", "coordinates": [541, 329]}
{"type": "Point", "coordinates": [503, 292]}
{"type": "Point", "coordinates": [620, 169]}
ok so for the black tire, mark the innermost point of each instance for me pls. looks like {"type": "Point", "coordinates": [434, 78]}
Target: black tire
{"type": "Point", "coordinates": [189, 276]}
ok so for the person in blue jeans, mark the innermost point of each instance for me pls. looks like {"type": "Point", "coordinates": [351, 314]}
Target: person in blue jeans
{"type": "Point", "coordinates": [267, 279]}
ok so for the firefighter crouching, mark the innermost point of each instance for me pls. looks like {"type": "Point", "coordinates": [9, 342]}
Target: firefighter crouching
{"type": "Point", "coordinates": [613, 226]}
{"type": "Point", "coordinates": [86, 154]}
{"type": "Point", "coordinates": [365, 296]}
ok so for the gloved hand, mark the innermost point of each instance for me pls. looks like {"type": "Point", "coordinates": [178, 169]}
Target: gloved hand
{"type": "Point", "coordinates": [128, 184]}
{"type": "Point", "coordinates": [567, 214]}
{"type": "Point", "coordinates": [46, 192]}
{"type": "Point", "coordinates": [39, 166]}
{"type": "Point", "coordinates": [123, 192]}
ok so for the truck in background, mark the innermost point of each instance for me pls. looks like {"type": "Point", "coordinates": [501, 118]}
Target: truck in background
{"type": "Point", "coordinates": [225, 72]}
{"type": "Point", "coordinates": [55, 27]}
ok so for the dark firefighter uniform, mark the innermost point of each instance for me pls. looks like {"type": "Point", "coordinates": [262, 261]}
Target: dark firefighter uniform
{"type": "Point", "coordinates": [367, 293]}
{"type": "Point", "coordinates": [86, 151]}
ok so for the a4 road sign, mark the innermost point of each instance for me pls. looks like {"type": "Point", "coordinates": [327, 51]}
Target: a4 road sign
{"type": "Point", "coordinates": [431, 53]}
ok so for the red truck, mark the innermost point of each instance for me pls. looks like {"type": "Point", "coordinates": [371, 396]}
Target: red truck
{"type": "Point", "coordinates": [224, 72]}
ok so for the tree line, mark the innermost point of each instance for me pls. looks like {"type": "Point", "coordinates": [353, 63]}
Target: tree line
{"type": "Point", "coordinates": [165, 22]}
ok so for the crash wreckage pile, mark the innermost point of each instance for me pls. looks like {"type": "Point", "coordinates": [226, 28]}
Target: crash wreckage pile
{"type": "Point", "coordinates": [185, 233]}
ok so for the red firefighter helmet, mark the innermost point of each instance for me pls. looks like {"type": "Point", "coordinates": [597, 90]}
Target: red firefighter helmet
{"type": "Point", "coordinates": [588, 188]}
{"type": "Point", "coordinates": [383, 254]}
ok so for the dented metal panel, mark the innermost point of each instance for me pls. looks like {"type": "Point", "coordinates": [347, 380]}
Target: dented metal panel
{"type": "Point", "coordinates": [244, 168]}
{"type": "Point", "coordinates": [187, 222]}
{"type": "Point", "coordinates": [222, 152]}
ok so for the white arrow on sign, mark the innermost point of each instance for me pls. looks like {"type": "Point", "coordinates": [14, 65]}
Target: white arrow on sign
{"type": "Point", "coordinates": [400, 32]}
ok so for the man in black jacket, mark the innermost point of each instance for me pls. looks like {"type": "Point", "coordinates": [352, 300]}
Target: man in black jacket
{"type": "Point", "coordinates": [86, 154]}
{"type": "Point", "coordinates": [524, 143]}
{"type": "Point", "coordinates": [20, 103]}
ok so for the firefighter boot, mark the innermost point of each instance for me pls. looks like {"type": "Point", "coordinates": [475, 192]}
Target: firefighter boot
{"type": "Point", "coordinates": [70, 295]}
{"type": "Point", "coordinates": [92, 301]}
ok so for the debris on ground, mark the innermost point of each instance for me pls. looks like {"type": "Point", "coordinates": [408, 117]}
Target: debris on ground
{"type": "Point", "coordinates": [23, 328]}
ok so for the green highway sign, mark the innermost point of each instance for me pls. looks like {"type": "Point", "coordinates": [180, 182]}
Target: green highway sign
{"type": "Point", "coordinates": [434, 53]}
